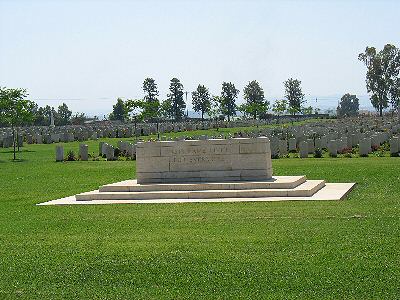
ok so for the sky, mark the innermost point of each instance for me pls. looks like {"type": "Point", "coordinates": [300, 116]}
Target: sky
{"type": "Point", "coordinates": [88, 53]}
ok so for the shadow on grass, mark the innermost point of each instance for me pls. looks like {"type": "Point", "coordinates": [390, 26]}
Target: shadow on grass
{"type": "Point", "coordinates": [18, 160]}
{"type": "Point", "coordinates": [21, 151]}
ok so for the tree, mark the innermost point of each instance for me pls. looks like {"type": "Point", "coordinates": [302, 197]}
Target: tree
{"type": "Point", "coordinates": [256, 104]}
{"type": "Point", "coordinates": [63, 115]}
{"type": "Point", "coordinates": [15, 110]}
{"type": "Point", "coordinates": [166, 109]}
{"type": "Point", "coordinates": [349, 106]}
{"type": "Point", "coordinates": [294, 95]}
{"type": "Point", "coordinates": [175, 97]}
{"type": "Point", "coordinates": [227, 103]}
{"type": "Point", "coordinates": [78, 119]}
{"type": "Point", "coordinates": [151, 106]}
{"type": "Point", "coordinates": [307, 110]}
{"type": "Point", "coordinates": [120, 111]}
{"type": "Point", "coordinates": [280, 106]}
{"type": "Point", "coordinates": [395, 95]}
{"type": "Point", "coordinates": [201, 100]}
{"type": "Point", "coordinates": [383, 69]}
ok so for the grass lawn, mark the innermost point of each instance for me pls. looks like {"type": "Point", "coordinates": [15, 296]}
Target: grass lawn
{"type": "Point", "coordinates": [290, 250]}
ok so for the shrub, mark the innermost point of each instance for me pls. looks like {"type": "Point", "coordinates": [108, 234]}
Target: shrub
{"type": "Point", "coordinates": [375, 148]}
{"type": "Point", "coordinates": [347, 150]}
{"type": "Point", "coordinates": [70, 156]}
{"type": "Point", "coordinates": [348, 155]}
{"type": "Point", "coordinates": [117, 152]}
{"type": "Point", "coordinates": [318, 153]}
{"type": "Point", "coordinates": [274, 156]}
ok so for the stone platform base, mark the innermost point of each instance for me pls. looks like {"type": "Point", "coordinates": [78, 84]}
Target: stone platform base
{"type": "Point", "coordinates": [279, 188]}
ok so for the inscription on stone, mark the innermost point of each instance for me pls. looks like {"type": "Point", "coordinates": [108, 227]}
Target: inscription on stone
{"type": "Point", "coordinates": [204, 160]}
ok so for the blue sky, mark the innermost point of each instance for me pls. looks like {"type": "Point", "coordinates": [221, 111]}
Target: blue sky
{"type": "Point", "coordinates": [88, 53]}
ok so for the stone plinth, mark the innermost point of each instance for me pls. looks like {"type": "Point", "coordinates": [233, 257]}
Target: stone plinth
{"type": "Point", "coordinates": [204, 160]}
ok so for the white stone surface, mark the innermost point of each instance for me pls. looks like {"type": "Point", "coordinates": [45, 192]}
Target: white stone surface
{"type": "Point", "coordinates": [331, 191]}
{"type": "Point", "coordinates": [203, 160]}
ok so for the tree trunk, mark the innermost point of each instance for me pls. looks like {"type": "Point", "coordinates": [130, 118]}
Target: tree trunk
{"type": "Point", "coordinates": [202, 116]}
{"type": "Point", "coordinates": [13, 130]}
{"type": "Point", "coordinates": [18, 138]}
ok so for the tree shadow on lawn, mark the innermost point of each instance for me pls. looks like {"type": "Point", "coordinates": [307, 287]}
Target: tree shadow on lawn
{"type": "Point", "coordinates": [21, 151]}
{"type": "Point", "coordinates": [18, 160]}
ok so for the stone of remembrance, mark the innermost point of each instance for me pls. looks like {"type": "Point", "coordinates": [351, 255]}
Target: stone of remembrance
{"type": "Point", "coordinates": [213, 170]}
{"type": "Point", "coordinates": [204, 161]}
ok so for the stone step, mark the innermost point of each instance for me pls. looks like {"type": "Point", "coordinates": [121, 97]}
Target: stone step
{"type": "Point", "coordinates": [277, 182]}
{"type": "Point", "coordinates": [306, 189]}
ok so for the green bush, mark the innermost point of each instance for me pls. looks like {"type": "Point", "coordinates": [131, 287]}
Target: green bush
{"type": "Point", "coordinates": [318, 153]}
{"type": "Point", "coordinates": [71, 156]}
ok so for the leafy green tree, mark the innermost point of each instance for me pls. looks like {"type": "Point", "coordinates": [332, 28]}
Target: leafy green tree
{"type": "Point", "coordinates": [227, 103]}
{"type": "Point", "coordinates": [383, 69]}
{"type": "Point", "coordinates": [144, 110]}
{"type": "Point", "coordinates": [395, 95]}
{"type": "Point", "coordinates": [79, 119]}
{"type": "Point", "coordinates": [15, 110]}
{"type": "Point", "coordinates": [307, 110]}
{"type": "Point", "coordinates": [294, 95]}
{"type": "Point", "coordinates": [120, 111]}
{"type": "Point", "coordinates": [63, 115]}
{"type": "Point", "coordinates": [151, 106]}
{"type": "Point", "coordinates": [256, 104]}
{"type": "Point", "coordinates": [280, 106]}
{"type": "Point", "coordinates": [349, 106]}
{"type": "Point", "coordinates": [175, 96]}
{"type": "Point", "coordinates": [201, 100]}
{"type": "Point", "coordinates": [166, 109]}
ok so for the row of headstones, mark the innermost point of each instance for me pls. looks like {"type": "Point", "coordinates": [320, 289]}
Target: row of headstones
{"type": "Point", "coordinates": [309, 146]}
{"type": "Point", "coordinates": [70, 133]}
{"type": "Point", "coordinates": [105, 149]}
{"type": "Point", "coordinates": [7, 141]}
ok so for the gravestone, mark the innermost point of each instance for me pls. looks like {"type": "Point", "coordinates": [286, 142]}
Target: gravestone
{"type": "Point", "coordinates": [208, 160]}
{"type": "Point", "coordinates": [333, 148]}
{"type": "Point", "coordinates": [59, 153]}
{"type": "Point", "coordinates": [83, 152]}
{"type": "Point", "coordinates": [283, 150]}
{"type": "Point", "coordinates": [365, 146]}
{"type": "Point", "coordinates": [292, 144]}
{"type": "Point", "coordinates": [101, 148]}
{"type": "Point", "coordinates": [303, 149]}
{"type": "Point", "coordinates": [109, 152]}
{"type": "Point", "coordinates": [394, 146]}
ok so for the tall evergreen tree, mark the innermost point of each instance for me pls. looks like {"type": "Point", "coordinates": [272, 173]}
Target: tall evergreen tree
{"type": "Point", "coordinates": [63, 114]}
{"type": "Point", "coordinates": [383, 70]}
{"type": "Point", "coordinates": [256, 104]}
{"type": "Point", "coordinates": [175, 97]}
{"type": "Point", "coordinates": [227, 100]}
{"type": "Point", "coordinates": [349, 106]}
{"type": "Point", "coordinates": [294, 95]}
{"type": "Point", "coordinates": [120, 111]}
{"type": "Point", "coordinates": [151, 105]}
{"type": "Point", "coordinates": [201, 100]}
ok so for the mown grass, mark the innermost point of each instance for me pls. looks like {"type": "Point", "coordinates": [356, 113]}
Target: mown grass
{"type": "Point", "coordinates": [289, 250]}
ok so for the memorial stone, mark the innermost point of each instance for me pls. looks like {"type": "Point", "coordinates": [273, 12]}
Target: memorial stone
{"type": "Point", "coordinates": [394, 146]}
{"type": "Point", "coordinates": [333, 148]}
{"type": "Point", "coordinates": [303, 149]}
{"type": "Point", "coordinates": [292, 144]}
{"type": "Point", "coordinates": [365, 146]}
{"type": "Point", "coordinates": [83, 152]}
{"type": "Point", "coordinates": [59, 153]}
{"type": "Point", "coordinates": [209, 160]}
{"type": "Point", "coordinates": [283, 147]}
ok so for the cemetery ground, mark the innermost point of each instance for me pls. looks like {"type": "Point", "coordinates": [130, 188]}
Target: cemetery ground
{"type": "Point", "coordinates": [273, 250]}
